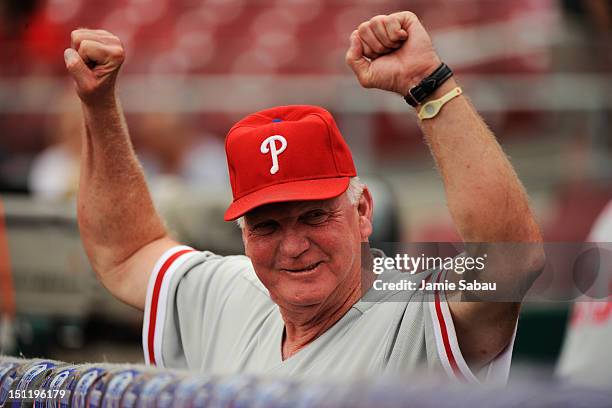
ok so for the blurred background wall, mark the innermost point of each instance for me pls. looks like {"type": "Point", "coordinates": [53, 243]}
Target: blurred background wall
{"type": "Point", "coordinates": [539, 71]}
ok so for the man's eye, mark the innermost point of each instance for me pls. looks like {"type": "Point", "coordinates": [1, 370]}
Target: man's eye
{"type": "Point", "coordinates": [264, 228]}
{"type": "Point", "coordinates": [316, 217]}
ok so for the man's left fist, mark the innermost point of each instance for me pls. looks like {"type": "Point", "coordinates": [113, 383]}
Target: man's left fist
{"type": "Point", "coordinates": [392, 53]}
{"type": "Point", "coordinates": [93, 60]}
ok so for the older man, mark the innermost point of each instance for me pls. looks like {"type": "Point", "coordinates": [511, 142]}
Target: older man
{"type": "Point", "coordinates": [293, 305]}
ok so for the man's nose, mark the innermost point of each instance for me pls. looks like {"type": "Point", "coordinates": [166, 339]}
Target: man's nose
{"type": "Point", "coordinates": [294, 244]}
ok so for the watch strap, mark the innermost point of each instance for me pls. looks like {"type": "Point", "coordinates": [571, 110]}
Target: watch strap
{"type": "Point", "coordinates": [416, 95]}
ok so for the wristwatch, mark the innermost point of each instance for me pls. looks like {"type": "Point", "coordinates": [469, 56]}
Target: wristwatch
{"type": "Point", "coordinates": [427, 86]}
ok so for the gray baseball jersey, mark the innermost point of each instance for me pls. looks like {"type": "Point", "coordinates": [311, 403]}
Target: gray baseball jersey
{"type": "Point", "coordinates": [586, 357]}
{"type": "Point", "coordinates": [212, 314]}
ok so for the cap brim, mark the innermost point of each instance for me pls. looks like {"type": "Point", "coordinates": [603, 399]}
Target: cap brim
{"type": "Point", "coordinates": [303, 190]}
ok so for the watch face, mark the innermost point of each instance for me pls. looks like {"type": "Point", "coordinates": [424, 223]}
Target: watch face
{"type": "Point", "coordinates": [430, 109]}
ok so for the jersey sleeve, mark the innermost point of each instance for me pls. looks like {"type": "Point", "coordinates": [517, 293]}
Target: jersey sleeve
{"type": "Point", "coordinates": [443, 348]}
{"type": "Point", "coordinates": [192, 294]}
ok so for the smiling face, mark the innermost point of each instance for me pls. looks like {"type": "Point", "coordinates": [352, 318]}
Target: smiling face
{"type": "Point", "coordinates": [307, 253]}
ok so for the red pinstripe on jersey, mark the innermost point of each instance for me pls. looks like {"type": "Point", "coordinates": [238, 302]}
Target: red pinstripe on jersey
{"type": "Point", "coordinates": [154, 301]}
{"type": "Point", "coordinates": [447, 347]}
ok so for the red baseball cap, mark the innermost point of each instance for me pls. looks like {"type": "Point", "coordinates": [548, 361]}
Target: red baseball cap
{"type": "Point", "coordinates": [287, 153]}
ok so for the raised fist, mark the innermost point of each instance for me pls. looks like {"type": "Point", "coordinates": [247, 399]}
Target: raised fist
{"type": "Point", "coordinates": [93, 61]}
{"type": "Point", "coordinates": [393, 53]}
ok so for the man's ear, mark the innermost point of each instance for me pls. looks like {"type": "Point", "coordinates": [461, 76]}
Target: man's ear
{"type": "Point", "coordinates": [365, 208]}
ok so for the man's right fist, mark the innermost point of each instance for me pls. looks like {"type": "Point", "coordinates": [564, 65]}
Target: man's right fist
{"type": "Point", "coordinates": [93, 60]}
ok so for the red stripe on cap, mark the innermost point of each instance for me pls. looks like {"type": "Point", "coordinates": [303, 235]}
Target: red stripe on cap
{"type": "Point", "coordinates": [445, 339]}
{"type": "Point", "coordinates": [155, 298]}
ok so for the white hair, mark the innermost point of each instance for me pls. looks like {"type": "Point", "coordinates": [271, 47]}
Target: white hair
{"type": "Point", "coordinates": [354, 190]}
{"type": "Point", "coordinates": [353, 193]}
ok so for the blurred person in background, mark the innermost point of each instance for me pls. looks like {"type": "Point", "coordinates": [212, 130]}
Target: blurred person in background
{"type": "Point", "coordinates": [54, 174]}
{"type": "Point", "coordinates": [586, 356]}
{"type": "Point", "coordinates": [168, 148]}
{"type": "Point", "coordinates": [171, 151]}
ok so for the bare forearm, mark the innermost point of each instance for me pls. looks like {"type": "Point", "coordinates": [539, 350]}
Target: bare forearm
{"type": "Point", "coordinates": [488, 205]}
{"type": "Point", "coordinates": [485, 197]}
{"type": "Point", "coordinates": [115, 211]}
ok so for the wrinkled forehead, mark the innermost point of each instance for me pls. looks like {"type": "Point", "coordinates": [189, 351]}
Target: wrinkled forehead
{"type": "Point", "coordinates": [290, 209]}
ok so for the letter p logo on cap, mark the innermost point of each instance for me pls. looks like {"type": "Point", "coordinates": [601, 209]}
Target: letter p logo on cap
{"type": "Point", "coordinates": [269, 145]}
